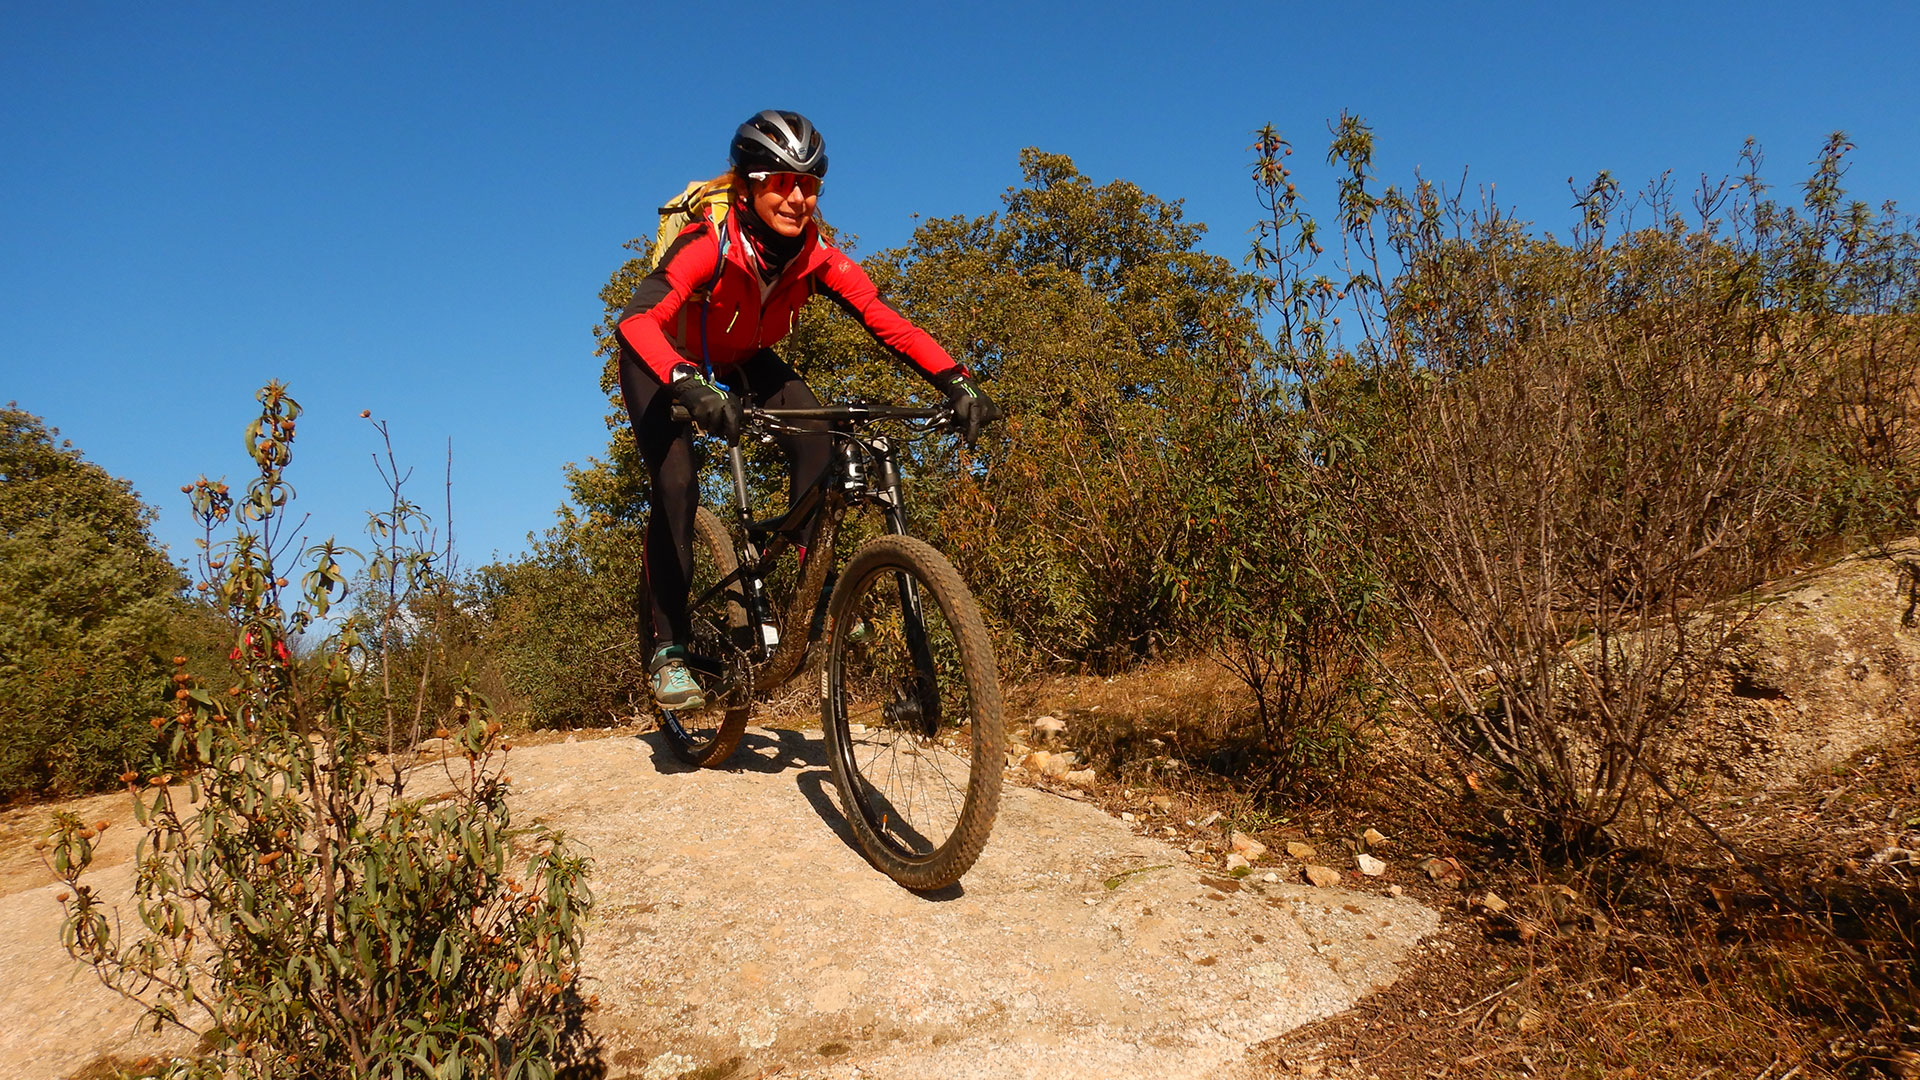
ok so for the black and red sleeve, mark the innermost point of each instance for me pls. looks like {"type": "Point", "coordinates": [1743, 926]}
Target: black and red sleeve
{"type": "Point", "coordinates": [843, 282]}
{"type": "Point", "coordinates": [686, 268]}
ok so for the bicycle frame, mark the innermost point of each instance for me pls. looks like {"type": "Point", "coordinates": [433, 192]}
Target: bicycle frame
{"type": "Point", "coordinates": [847, 482]}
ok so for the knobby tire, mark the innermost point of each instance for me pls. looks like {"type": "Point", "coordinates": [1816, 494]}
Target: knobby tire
{"type": "Point", "coordinates": [912, 713]}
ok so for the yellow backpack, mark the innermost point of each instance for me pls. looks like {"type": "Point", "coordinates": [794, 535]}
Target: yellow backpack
{"type": "Point", "coordinates": [700, 201]}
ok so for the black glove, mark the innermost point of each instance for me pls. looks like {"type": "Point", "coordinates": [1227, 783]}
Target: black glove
{"type": "Point", "coordinates": [973, 409]}
{"type": "Point", "coordinates": [716, 411]}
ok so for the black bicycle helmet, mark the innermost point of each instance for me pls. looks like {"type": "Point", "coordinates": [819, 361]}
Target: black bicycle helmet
{"type": "Point", "coordinates": [777, 140]}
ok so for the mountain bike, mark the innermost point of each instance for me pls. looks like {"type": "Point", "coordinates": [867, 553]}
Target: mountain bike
{"type": "Point", "coordinates": [910, 689]}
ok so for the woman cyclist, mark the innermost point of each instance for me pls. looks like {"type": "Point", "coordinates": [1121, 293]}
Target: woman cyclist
{"type": "Point", "coordinates": [699, 331]}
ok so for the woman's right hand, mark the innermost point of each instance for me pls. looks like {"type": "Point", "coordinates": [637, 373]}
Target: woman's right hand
{"type": "Point", "coordinates": [716, 411]}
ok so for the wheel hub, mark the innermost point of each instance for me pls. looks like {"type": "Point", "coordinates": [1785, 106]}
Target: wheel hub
{"type": "Point", "coordinates": [904, 712]}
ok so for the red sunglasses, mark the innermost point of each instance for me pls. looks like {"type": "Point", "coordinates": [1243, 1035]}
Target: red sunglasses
{"type": "Point", "coordinates": [783, 183]}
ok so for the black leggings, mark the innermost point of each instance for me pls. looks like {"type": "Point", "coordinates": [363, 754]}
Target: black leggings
{"type": "Point", "coordinates": [666, 446]}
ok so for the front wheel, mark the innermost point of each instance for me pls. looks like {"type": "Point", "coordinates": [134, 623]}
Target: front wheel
{"type": "Point", "coordinates": [719, 661]}
{"type": "Point", "coordinates": [912, 712]}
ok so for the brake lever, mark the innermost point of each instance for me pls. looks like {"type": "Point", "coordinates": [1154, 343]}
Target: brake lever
{"type": "Point", "coordinates": [752, 419]}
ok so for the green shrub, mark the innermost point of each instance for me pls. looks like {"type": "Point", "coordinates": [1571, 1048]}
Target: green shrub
{"type": "Point", "coordinates": [1261, 584]}
{"type": "Point", "coordinates": [563, 624]}
{"type": "Point", "coordinates": [85, 602]}
{"type": "Point", "coordinates": [1562, 456]}
{"type": "Point", "coordinates": [299, 904]}
{"type": "Point", "coordinates": [1114, 343]}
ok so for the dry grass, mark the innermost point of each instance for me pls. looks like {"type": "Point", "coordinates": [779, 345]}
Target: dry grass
{"type": "Point", "coordinates": [1659, 959]}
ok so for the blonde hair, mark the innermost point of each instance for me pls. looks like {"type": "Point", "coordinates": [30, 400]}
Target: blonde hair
{"type": "Point", "coordinates": [732, 184]}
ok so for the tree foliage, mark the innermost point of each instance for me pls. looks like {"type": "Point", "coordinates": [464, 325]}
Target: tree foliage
{"type": "Point", "coordinates": [1124, 508]}
{"type": "Point", "coordinates": [86, 598]}
{"type": "Point", "coordinates": [1116, 347]}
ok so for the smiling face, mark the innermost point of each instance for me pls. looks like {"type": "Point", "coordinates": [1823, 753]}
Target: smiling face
{"type": "Point", "coordinates": [785, 201]}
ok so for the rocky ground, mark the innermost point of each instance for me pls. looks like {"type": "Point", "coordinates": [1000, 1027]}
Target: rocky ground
{"type": "Point", "coordinates": [1104, 932]}
{"type": "Point", "coordinates": [738, 933]}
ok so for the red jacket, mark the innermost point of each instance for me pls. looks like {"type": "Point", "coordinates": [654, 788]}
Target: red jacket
{"type": "Point", "coordinates": [663, 322]}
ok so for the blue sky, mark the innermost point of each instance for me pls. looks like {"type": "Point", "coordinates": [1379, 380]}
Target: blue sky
{"type": "Point", "coordinates": [410, 208]}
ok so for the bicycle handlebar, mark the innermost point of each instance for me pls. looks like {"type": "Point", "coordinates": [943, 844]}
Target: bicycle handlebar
{"type": "Point", "coordinates": [847, 413]}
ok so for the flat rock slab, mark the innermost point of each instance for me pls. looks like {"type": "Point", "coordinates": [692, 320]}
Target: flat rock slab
{"type": "Point", "coordinates": [738, 932]}
{"type": "Point", "coordinates": [738, 929]}
{"type": "Point", "coordinates": [55, 1016]}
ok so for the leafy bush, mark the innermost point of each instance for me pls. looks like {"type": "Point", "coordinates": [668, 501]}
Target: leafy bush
{"type": "Point", "coordinates": [298, 902]}
{"type": "Point", "coordinates": [1262, 585]}
{"type": "Point", "coordinates": [85, 601]}
{"type": "Point", "coordinates": [1559, 456]}
{"type": "Point", "coordinates": [563, 625]}
{"type": "Point", "coordinates": [425, 643]}
{"type": "Point", "coordinates": [1130, 506]}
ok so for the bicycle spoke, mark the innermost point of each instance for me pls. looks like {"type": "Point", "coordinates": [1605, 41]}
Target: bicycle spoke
{"type": "Point", "coordinates": [903, 710]}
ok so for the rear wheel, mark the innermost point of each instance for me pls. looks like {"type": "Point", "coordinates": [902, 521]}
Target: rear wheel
{"type": "Point", "coordinates": [912, 712]}
{"type": "Point", "coordinates": [708, 736]}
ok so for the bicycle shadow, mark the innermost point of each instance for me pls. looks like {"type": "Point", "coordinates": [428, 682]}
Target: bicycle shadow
{"type": "Point", "coordinates": [807, 759]}
{"type": "Point", "coordinates": [817, 787]}
{"type": "Point", "coordinates": [789, 750]}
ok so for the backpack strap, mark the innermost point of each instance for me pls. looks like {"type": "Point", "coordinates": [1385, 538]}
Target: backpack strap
{"type": "Point", "coordinates": [716, 215]}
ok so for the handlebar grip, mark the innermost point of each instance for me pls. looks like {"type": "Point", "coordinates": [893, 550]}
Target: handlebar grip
{"type": "Point", "coordinates": [679, 414]}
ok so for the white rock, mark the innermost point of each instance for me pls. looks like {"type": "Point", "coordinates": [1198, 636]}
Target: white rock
{"type": "Point", "coordinates": [1124, 816]}
{"type": "Point", "coordinates": [1045, 763]}
{"type": "Point", "coordinates": [1237, 861]}
{"type": "Point", "coordinates": [1048, 727]}
{"type": "Point", "coordinates": [668, 1065]}
{"type": "Point", "coordinates": [1246, 845]}
{"type": "Point", "coordinates": [1270, 877]}
{"type": "Point", "coordinates": [1082, 778]}
{"type": "Point", "coordinates": [1369, 865]}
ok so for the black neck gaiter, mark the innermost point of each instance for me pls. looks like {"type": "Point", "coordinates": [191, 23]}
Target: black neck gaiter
{"type": "Point", "coordinates": [773, 249]}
